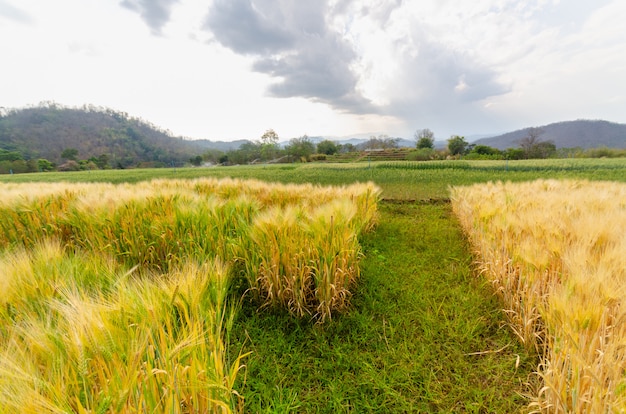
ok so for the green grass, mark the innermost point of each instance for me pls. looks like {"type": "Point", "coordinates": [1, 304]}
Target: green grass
{"type": "Point", "coordinates": [409, 343]}
{"type": "Point", "coordinates": [399, 180]}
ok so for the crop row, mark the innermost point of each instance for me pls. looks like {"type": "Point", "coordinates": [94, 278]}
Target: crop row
{"type": "Point", "coordinates": [115, 297]}
{"type": "Point", "coordinates": [555, 253]}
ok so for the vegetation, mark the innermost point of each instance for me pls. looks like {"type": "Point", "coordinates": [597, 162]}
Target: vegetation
{"type": "Point", "coordinates": [457, 145]}
{"type": "Point", "coordinates": [554, 252]}
{"type": "Point", "coordinates": [51, 137]}
{"type": "Point", "coordinates": [57, 134]}
{"type": "Point", "coordinates": [421, 333]}
{"type": "Point", "coordinates": [81, 333]}
{"type": "Point", "coordinates": [119, 293]}
{"type": "Point", "coordinates": [424, 139]}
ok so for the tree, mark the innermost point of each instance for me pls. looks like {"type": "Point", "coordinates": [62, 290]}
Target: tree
{"type": "Point", "coordinates": [425, 138]}
{"type": "Point", "coordinates": [103, 161]}
{"type": "Point", "coordinates": [70, 154]}
{"type": "Point", "coordinates": [300, 148]}
{"type": "Point", "coordinates": [346, 148]}
{"type": "Point", "coordinates": [543, 149]}
{"type": "Point", "coordinates": [535, 148]}
{"type": "Point", "coordinates": [269, 144]}
{"type": "Point", "coordinates": [382, 142]}
{"type": "Point", "coordinates": [327, 147]}
{"type": "Point", "coordinates": [485, 150]}
{"type": "Point", "coordinates": [196, 161]}
{"type": "Point", "coordinates": [457, 145]}
{"type": "Point", "coordinates": [44, 165]}
{"type": "Point", "coordinates": [6, 155]}
{"type": "Point", "coordinates": [530, 140]}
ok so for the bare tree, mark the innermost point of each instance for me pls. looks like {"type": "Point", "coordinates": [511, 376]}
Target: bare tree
{"type": "Point", "coordinates": [530, 140]}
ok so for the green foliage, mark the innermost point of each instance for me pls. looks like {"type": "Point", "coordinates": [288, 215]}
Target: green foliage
{"type": "Point", "coordinates": [543, 149]}
{"type": "Point", "coordinates": [457, 145]}
{"type": "Point", "coordinates": [46, 130]}
{"type": "Point", "coordinates": [215, 156]}
{"type": "Point", "coordinates": [197, 160]}
{"type": "Point", "coordinates": [483, 152]}
{"type": "Point", "coordinates": [44, 165]}
{"type": "Point", "coordinates": [327, 147]}
{"type": "Point", "coordinates": [247, 153]}
{"type": "Point", "coordinates": [603, 153]}
{"type": "Point", "coordinates": [10, 155]}
{"type": "Point", "coordinates": [422, 154]}
{"type": "Point", "coordinates": [269, 145]}
{"type": "Point", "coordinates": [300, 148]}
{"type": "Point", "coordinates": [514, 154]}
{"type": "Point", "coordinates": [425, 139]}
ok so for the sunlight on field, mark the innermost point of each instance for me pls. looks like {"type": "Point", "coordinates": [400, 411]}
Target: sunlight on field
{"type": "Point", "coordinates": [115, 297]}
{"type": "Point", "coordinates": [555, 252]}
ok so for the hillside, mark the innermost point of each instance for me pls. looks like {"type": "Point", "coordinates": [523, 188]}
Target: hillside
{"type": "Point", "coordinates": [571, 134]}
{"type": "Point", "coordinates": [46, 131]}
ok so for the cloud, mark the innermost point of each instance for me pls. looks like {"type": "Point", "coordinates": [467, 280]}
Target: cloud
{"type": "Point", "coordinates": [291, 42]}
{"type": "Point", "coordinates": [155, 13]}
{"type": "Point", "coordinates": [13, 13]}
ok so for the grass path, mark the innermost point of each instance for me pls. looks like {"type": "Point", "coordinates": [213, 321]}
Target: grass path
{"type": "Point", "coordinates": [419, 338]}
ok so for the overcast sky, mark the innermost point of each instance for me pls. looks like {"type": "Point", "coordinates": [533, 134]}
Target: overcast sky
{"type": "Point", "coordinates": [231, 69]}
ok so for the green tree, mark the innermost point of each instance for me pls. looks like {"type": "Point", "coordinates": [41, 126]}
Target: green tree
{"type": "Point", "coordinates": [327, 147]}
{"type": "Point", "coordinates": [213, 156]}
{"type": "Point", "coordinates": [197, 160]}
{"type": "Point", "coordinates": [102, 161]}
{"type": "Point", "coordinates": [300, 148]}
{"type": "Point", "coordinates": [10, 155]}
{"type": "Point", "coordinates": [457, 145]}
{"type": "Point", "coordinates": [514, 154]}
{"type": "Point", "coordinates": [485, 150]}
{"type": "Point", "coordinates": [44, 165]}
{"type": "Point", "coordinates": [269, 144]}
{"type": "Point", "coordinates": [425, 138]}
{"type": "Point", "coordinates": [543, 149]}
{"type": "Point", "coordinates": [246, 153]}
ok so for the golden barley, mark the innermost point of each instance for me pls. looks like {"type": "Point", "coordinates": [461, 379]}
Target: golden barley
{"type": "Point", "coordinates": [555, 252]}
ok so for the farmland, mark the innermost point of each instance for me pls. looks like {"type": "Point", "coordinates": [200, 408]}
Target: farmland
{"type": "Point", "coordinates": [421, 332]}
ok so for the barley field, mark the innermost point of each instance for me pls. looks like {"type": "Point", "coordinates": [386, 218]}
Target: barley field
{"type": "Point", "coordinates": [555, 251]}
{"type": "Point", "coordinates": [118, 298]}
{"type": "Point", "coordinates": [81, 266]}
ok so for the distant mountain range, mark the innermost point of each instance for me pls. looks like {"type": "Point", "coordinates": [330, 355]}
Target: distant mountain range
{"type": "Point", "coordinates": [571, 134]}
{"type": "Point", "coordinates": [47, 130]}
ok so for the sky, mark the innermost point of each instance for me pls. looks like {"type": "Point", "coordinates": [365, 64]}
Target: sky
{"type": "Point", "coordinates": [232, 69]}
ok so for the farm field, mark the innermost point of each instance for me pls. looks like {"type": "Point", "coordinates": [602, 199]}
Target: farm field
{"type": "Point", "coordinates": [421, 333]}
{"type": "Point", "coordinates": [555, 252]}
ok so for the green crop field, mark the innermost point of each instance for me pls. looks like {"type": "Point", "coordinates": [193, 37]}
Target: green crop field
{"type": "Point", "coordinates": [423, 332]}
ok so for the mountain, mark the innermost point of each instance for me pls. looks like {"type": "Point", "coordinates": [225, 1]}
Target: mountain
{"type": "Point", "coordinates": [47, 130]}
{"type": "Point", "coordinates": [570, 134]}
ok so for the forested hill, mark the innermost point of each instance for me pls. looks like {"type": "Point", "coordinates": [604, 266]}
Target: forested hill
{"type": "Point", "coordinates": [48, 130]}
{"type": "Point", "coordinates": [571, 134]}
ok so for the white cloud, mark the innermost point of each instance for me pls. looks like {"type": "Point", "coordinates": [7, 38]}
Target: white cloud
{"type": "Point", "coordinates": [327, 67]}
